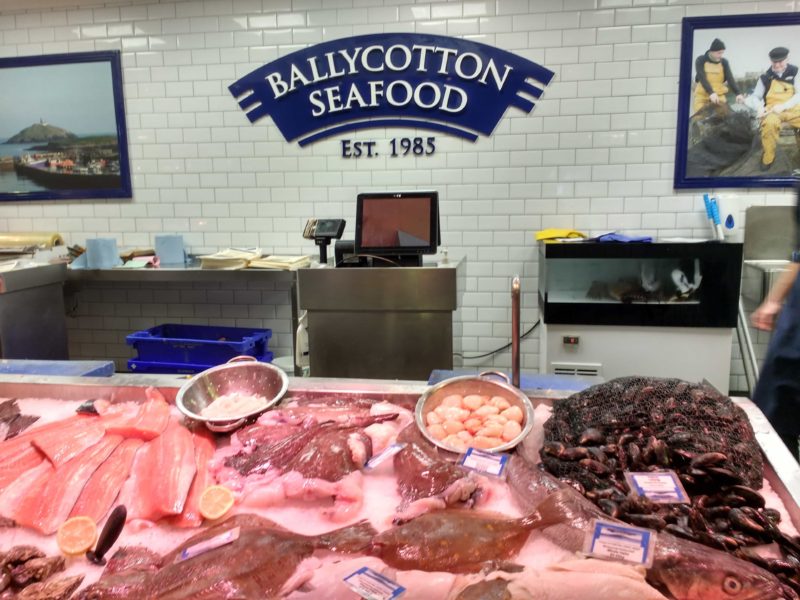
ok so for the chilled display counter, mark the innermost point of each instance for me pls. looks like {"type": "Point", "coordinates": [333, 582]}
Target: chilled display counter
{"type": "Point", "coordinates": [618, 309]}
{"type": "Point", "coordinates": [332, 417]}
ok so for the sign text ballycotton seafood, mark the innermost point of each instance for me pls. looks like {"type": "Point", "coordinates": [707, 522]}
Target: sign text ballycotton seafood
{"type": "Point", "coordinates": [430, 82]}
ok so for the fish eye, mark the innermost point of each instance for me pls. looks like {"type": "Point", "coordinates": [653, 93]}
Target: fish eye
{"type": "Point", "coordinates": [731, 585]}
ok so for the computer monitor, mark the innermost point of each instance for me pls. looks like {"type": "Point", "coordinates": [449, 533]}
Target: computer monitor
{"type": "Point", "coordinates": [399, 226]}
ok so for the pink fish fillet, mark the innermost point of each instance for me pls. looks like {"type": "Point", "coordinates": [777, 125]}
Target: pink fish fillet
{"type": "Point", "coordinates": [161, 475]}
{"type": "Point", "coordinates": [204, 448]}
{"type": "Point", "coordinates": [65, 443]}
{"type": "Point", "coordinates": [101, 490]}
{"type": "Point", "coordinates": [144, 421]}
{"type": "Point", "coordinates": [30, 483]}
{"type": "Point", "coordinates": [47, 507]}
{"type": "Point", "coordinates": [15, 463]}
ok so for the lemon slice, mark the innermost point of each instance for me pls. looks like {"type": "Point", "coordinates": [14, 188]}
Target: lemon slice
{"type": "Point", "coordinates": [76, 535]}
{"type": "Point", "coordinates": [215, 502]}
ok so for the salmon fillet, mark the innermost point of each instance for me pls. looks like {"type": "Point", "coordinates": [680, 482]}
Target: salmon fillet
{"type": "Point", "coordinates": [104, 485]}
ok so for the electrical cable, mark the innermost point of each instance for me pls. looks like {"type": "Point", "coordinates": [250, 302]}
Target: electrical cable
{"type": "Point", "coordinates": [372, 256]}
{"type": "Point", "coordinates": [508, 345]}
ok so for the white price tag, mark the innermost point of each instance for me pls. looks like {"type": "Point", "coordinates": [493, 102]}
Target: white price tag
{"type": "Point", "coordinates": [381, 456]}
{"type": "Point", "coordinates": [623, 543]}
{"type": "Point", "coordinates": [483, 461]}
{"type": "Point", "coordinates": [663, 487]}
{"type": "Point", "coordinates": [371, 585]}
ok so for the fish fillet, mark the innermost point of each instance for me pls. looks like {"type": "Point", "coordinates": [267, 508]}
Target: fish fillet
{"type": "Point", "coordinates": [62, 444]}
{"type": "Point", "coordinates": [144, 421]}
{"type": "Point", "coordinates": [47, 507]}
{"type": "Point", "coordinates": [101, 490]}
{"type": "Point", "coordinates": [204, 448]}
{"type": "Point", "coordinates": [15, 464]}
{"type": "Point", "coordinates": [171, 457]}
{"type": "Point", "coordinates": [30, 483]}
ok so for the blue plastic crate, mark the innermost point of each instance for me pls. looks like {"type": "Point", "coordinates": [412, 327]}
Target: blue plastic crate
{"type": "Point", "coordinates": [197, 344]}
{"type": "Point", "coordinates": [146, 366]}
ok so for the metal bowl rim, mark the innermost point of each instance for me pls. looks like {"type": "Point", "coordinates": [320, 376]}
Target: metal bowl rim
{"type": "Point", "coordinates": [230, 419]}
{"type": "Point", "coordinates": [526, 402]}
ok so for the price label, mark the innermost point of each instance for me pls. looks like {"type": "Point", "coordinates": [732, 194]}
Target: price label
{"type": "Point", "coordinates": [663, 487]}
{"type": "Point", "coordinates": [371, 585]}
{"type": "Point", "coordinates": [623, 543]}
{"type": "Point", "coordinates": [381, 456]}
{"type": "Point", "coordinates": [483, 461]}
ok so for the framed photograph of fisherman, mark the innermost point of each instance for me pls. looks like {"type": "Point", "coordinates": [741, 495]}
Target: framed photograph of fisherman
{"type": "Point", "coordinates": [739, 102]}
{"type": "Point", "coordinates": [62, 127]}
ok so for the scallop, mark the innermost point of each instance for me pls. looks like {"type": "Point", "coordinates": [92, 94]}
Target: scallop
{"type": "Point", "coordinates": [432, 418]}
{"type": "Point", "coordinates": [453, 400]}
{"type": "Point", "coordinates": [500, 402]}
{"type": "Point", "coordinates": [455, 442]}
{"type": "Point", "coordinates": [453, 426]}
{"type": "Point", "coordinates": [511, 430]}
{"type": "Point", "coordinates": [437, 432]}
{"type": "Point", "coordinates": [473, 425]}
{"type": "Point", "coordinates": [486, 410]}
{"type": "Point", "coordinates": [474, 401]}
{"type": "Point", "coordinates": [495, 431]}
{"type": "Point", "coordinates": [513, 413]}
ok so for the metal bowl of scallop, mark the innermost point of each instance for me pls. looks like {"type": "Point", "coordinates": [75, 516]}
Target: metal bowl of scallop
{"type": "Point", "coordinates": [251, 377]}
{"type": "Point", "coordinates": [490, 384]}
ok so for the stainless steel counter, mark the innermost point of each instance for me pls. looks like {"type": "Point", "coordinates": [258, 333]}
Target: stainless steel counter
{"type": "Point", "coordinates": [758, 277]}
{"type": "Point", "coordinates": [383, 323]}
{"type": "Point", "coordinates": [32, 322]}
{"type": "Point", "coordinates": [781, 471]}
{"type": "Point", "coordinates": [189, 274]}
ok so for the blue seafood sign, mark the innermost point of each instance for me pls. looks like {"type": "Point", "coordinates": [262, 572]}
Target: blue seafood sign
{"type": "Point", "coordinates": [430, 82]}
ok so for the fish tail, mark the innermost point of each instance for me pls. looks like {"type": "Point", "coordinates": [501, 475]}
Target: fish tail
{"type": "Point", "coordinates": [533, 520]}
{"type": "Point", "coordinates": [353, 538]}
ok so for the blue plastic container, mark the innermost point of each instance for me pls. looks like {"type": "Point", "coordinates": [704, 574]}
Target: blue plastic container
{"type": "Point", "coordinates": [197, 345]}
{"type": "Point", "coordinates": [146, 366]}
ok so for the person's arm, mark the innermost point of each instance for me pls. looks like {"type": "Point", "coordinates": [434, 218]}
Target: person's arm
{"type": "Point", "coordinates": [756, 100]}
{"type": "Point", "coordinates": [764, 316]}
{"type": "Point", "coordinates": [700, 68]}
{"type": "Point", "coordinates": [726, 70]}
{"type": "Point", "coordinates": [791, 102]}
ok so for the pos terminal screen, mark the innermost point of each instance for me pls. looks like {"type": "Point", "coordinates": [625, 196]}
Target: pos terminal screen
{"type": "Point", "coordinates": [397, 223]}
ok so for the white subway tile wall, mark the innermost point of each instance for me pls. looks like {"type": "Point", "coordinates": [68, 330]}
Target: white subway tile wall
{"type": "Point", "coordinates": [596, 154]}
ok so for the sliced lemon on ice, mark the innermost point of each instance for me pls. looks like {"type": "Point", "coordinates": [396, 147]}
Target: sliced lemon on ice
{"type": "Point", "coordinates": [76, 535]}
{"type": "Point", "coordinates": [215, 502]}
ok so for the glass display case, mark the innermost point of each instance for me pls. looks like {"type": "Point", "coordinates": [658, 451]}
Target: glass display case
{"type": "Point", "coordinates": [648, 284]}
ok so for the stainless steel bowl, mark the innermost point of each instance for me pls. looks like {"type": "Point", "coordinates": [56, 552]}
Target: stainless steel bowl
{"type": "Point", "coordinates": [240, 374]}
{"type": "Point", "coordinates": [484, 385]}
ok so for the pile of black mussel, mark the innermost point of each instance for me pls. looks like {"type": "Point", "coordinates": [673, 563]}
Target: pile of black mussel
{"type": "Point", "coordinates": [639, 424]}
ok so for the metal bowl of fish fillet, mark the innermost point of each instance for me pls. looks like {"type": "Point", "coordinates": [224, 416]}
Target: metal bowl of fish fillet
{"type": "Point", "coordinates": [226, 396]}
{"type": "Point", "coordinates": [484, 412]}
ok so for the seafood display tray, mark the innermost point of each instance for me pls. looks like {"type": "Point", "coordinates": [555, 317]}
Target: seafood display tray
{"type": "Point", "coordinates": [61, 394]}
{"type": "Point", "coordinates": [781, 471]}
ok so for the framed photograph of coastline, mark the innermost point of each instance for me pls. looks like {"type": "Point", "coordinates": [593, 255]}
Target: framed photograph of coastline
{"type": "Point", "coordinates": [739, 102]}
{"type": "Point", "coordinates": [62, 127]}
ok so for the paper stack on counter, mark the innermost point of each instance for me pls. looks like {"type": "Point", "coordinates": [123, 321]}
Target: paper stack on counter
{"type": "Point", "coordinates": [287, 263]}
{"type": "Point", "coordinates": [230, 258]}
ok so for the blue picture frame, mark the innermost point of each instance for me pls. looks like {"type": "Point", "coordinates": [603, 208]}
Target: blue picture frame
{"type": "Point", "coordinates": [62, 128]}
{"type": "Point", "coordinates": [748, 40]}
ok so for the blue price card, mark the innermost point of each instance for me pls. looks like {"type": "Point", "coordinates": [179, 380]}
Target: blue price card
{"type": "Point", "coordinates": [623, 543]}
{"type": "Point", "coordinates": [663, 487]}
{"type": "Point", "coordinates": [371, 585]}
{"type": "Point", "coordinates": [381, 456]}
{"type": "Point", "coordinates": [483, 461]}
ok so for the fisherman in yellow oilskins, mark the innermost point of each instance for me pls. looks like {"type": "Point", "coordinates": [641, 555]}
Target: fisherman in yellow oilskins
{"type": "Point", "coordinates": [777, 100]}
{"type": "Point", "coordinates": [714, 79]}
